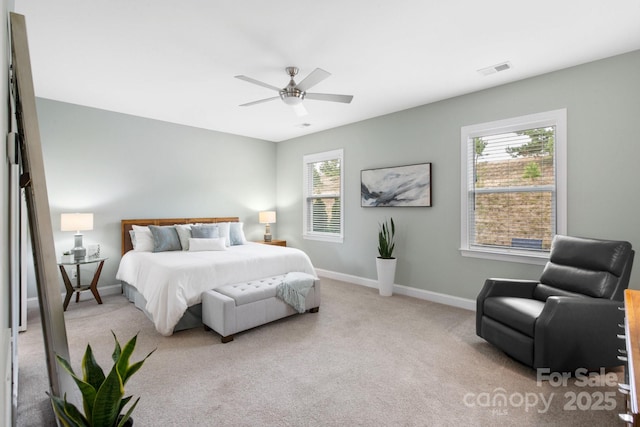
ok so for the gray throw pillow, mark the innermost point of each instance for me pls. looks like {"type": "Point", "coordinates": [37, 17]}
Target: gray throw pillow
{"type": "Point", "coordinates": [205, 231]}
{"type": "Point", "coordinates": [165, 238]}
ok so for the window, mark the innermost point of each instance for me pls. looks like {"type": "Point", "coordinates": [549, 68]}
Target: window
{"type": "Point", "coordinates": [323, 185]}
{"type": "Point", "coordinates": [514, 187]}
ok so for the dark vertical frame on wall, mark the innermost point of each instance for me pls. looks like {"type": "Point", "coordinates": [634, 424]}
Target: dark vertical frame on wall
{"type": "Point", "coordinates": [32, 179]}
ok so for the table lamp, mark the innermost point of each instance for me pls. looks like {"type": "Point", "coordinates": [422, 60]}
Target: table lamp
{"type": "Point", "coordinates": [267, 217]}
{"type": "Point", "coordinates": [77, 222]}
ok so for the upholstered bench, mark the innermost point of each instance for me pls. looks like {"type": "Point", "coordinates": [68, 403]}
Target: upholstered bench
{"type": "Point", "coordinates": [235, 308]}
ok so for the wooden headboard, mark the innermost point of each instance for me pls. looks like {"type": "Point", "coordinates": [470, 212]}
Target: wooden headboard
{"type": "Point", "coordinates": [126, 226]}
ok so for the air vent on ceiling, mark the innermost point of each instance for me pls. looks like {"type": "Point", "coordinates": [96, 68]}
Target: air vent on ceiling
{"type": "Point", "coordinates": [495, 68]}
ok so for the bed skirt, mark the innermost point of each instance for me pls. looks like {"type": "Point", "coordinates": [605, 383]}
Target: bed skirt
{"type": "Point", "coordinates": [192, 318]}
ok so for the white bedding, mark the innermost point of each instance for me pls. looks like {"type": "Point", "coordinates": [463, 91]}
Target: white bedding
{"type": "Point", "coordinates": [173, 281]}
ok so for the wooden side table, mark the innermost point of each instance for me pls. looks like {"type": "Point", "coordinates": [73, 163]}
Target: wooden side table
{"type": "Point", "coordinates": [274, 242]}
{"type": "Point", "coordinates": [93, 287]}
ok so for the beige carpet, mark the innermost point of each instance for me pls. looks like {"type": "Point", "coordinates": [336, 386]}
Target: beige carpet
{"type": "Point", "coordinates": [363, 360]}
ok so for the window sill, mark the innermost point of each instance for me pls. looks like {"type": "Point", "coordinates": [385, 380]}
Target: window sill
{"type": "Point", "coordinates": [323, 238]}
{"type": "Point", "coordinates": [523, 257]}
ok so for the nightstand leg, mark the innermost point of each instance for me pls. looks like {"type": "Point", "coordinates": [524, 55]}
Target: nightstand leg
{"type": "Point", "coordinates": [68, 286]}
{"type": "Point", "coordinates": [94, 283]}
{"type": "Point", "coordinates": [78, 282]}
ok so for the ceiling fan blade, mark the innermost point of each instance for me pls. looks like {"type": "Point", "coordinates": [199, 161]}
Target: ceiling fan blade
{"type": "Point", "coordinates": [258, 82]}
{"type": "Point", "coordinates": [315, 77]}
{"type": "Point", "coordinates": [329, 97]}
{"type": "Point", "coordinates": [260, 101]}
{"type": "Point", "coordinates": [300, 110]}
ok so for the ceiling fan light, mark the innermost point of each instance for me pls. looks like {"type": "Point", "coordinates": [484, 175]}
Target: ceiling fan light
{"type": "Point", "coordinates": [292, 100]}
{"type": "Point", "coordinates": [292, 96]}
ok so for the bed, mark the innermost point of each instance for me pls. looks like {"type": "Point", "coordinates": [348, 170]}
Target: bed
{"type": "Point", "coordinates": [168, 285]}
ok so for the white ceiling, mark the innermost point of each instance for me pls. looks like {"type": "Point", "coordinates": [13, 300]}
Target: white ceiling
{"type": "Point", "coordinates": [175, 60]}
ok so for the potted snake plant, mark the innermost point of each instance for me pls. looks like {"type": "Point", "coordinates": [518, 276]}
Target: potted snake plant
{"type": "Point", "coordinates": [386, 262]}
{"type": "Point", "coordinates": [102, 396]}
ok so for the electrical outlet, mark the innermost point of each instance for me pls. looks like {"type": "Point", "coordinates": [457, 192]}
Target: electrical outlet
{"type": "Point", "coordinates": [74, 274]}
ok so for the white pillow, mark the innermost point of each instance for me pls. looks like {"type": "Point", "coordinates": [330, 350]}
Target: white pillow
{"type": "Point", "coordinates": [143, 239]}
{"type": "Point", "coordinates": [236, 234]}
{"type": "Point", "coordinates": [224, 230]}
{"type": "Point", "coordinates": [184, 233]}
{"type": "Point", "coordinates": [196, 245]}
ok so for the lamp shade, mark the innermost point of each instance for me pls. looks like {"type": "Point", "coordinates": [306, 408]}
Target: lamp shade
{"type": "Point", "coordinates": [267, 217]}
{"type": "Point", "coordinates": [76, 221]}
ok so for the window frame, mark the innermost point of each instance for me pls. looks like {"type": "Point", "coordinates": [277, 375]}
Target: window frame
{"type": "Point", "coordinates": [306, 161]}
{"type": "Point", "coordinates": [557, 118]}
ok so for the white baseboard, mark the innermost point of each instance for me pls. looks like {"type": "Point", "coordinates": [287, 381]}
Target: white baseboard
{"type": "Point", "coordinates": [451, 300]}
{"type": "Point", "coordinates": [84, 296]}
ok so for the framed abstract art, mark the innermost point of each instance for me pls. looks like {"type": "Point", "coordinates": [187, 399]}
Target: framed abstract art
{"type": "Point", "coordinates": [396, 186]}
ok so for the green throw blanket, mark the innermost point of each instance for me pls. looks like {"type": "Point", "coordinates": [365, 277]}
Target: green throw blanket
{"type": "Point", "coordinates": [294, 288]}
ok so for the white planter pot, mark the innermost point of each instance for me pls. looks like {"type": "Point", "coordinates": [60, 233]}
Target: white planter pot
{"type": "Point", "coordinates": [386, 275]}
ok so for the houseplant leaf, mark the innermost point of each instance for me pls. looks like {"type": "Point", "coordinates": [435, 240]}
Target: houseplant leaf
{"type": "Point", "coordinates": [107, 403]}
{"type": "Point", "coordinates": [126, 370]}
{"type": "Point", "coordinates": [67, 414]}
{"type": "Point", "coordinates": [87, 390]}
{"type": "Point", "coordinates": [123, 419]}
{"type": "Point", "coordinates": [124, 402]}
{"type": "Point", "coordinates": [135, 367]}
{"type": "Point", "coordinates": [116, 350]}
{"type": "Point", "coordinates": [123, 360]}
{"type": "Point", "coordinates": [93, 375]}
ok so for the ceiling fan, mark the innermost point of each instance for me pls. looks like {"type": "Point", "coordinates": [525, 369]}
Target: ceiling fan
{"type": "Point", "coordinates": [294, 93]}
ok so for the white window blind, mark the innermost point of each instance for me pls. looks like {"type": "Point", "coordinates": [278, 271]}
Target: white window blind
{"type": "Point", "coordinates": [514, 198]}
{"type": "Point", "coordinates": [322, 187]}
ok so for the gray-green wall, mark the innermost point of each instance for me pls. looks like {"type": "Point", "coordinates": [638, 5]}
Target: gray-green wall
{"type": "Point", "coordinates": [119, 166]}
{"type": "Point", "coordinates": [603, 108]}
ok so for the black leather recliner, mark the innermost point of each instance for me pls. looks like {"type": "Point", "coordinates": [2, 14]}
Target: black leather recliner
{"type": "Point", "coordinates": [569, 318]}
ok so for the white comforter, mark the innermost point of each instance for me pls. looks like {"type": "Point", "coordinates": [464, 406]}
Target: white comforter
{"type": "Point", "coordinates": [173, 281]}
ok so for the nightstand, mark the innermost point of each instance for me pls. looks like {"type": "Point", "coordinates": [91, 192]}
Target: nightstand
{"type": "Point", "coordinates": [274, 242]}
{"type": "Point", "coordinates": [93, 287]}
